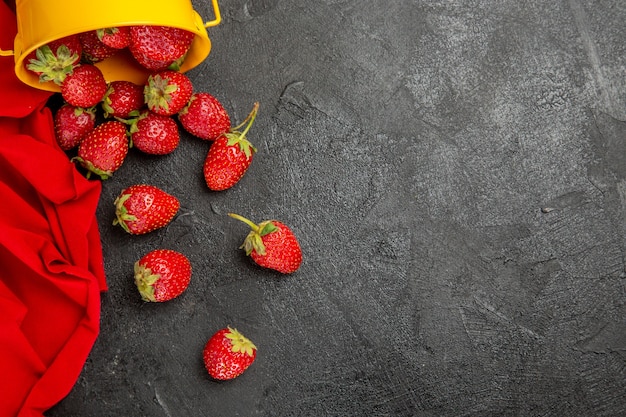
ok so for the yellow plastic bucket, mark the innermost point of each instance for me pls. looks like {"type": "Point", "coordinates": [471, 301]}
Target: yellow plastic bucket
{"type": "Point", "coordinates": [42, 21]}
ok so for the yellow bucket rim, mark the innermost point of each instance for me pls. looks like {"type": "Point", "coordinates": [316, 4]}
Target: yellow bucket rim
{"type": "Point", "coordinates": [121, 66]}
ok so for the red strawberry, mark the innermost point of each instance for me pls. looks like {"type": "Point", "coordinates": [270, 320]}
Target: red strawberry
{"type": "Point", "coordinates": [122, 98]}
{"type": "Point", "coordinates": [159, 44]}
{"type": "Point", "coordinates": [103, 150]}
{"type": "Point", "coordinates": [272, 244]}
{"type": "Point", "coordinates": [93, 48]}
{"type": "Point", "coordinates": [71, 124]}
{"type": "Point", "coordinates": [151, 64]}
{"type": "Point", "coordinates": [204, 117]}
{"type": "Point", "coordinates": [162, 274]}
{"type": "Point", "coordinates": [154, 134]}
{"type": "Point", "coordinates": [142, 208]}
{"type": "Point", "coordinates": [228, 354]}
{"type": "Point", "coordinates": [229, 157]}
{"type": "Point", "coordinates": [115, 37]}
{"type": "Point", "coordinates": [84, 87]}
{"type": "Point", "coordinates": [167, 92]}
{"type": "Point", "coordinates": [53, 61]}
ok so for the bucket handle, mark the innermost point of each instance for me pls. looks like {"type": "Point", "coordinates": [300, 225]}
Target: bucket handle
{"type": "Point", "coordinates": [6, 53]}
{"type": "Point", "coordinates": [218, 16]}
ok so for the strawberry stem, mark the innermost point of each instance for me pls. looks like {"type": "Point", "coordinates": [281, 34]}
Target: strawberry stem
{"type": "Point", "coordinates": [253, 226]}
{"type": "Point", "coordinates": [254, 240]}
{"type": "Point", "coordinates": [249, 118]}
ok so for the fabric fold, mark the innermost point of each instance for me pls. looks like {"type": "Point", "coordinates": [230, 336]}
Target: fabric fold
{"type": "Point", "coordinates": [52, 271]}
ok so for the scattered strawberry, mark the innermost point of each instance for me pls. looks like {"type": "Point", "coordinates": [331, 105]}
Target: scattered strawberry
{"type": "Point", "coordinates": [122, 98]}
{"type": "Point", "coordinates": [228, 354]}
{"type": "Point", "coordinates": [115, 37]}
{"type": "Point", "coordinates": [167, 92]}
{"type": "Point", "coordinates": [71, 124]}
{"type": "Point", "coordinates": [204, 117]}
{"type": "Point", "coordinates": [142, 208]}
{"type": "Point", "coordinates": [159, 46]}
{"type": "Point", "coordinates": [84, 87]}
{"type": "Point", "coordinates": [154, 134]}
{"type": "Point", "coordinates": [103, 150]}
{"type": "Point", "coordinates": [162, 274]}
{"type": "Point", "coordinates": [93, 48]}
{"type": "Point", "coordinates": [271, 244]}
{"type": "Point", "coordinates": [229, 156]}
{"type": "Point", "coordinates": [53, 61]}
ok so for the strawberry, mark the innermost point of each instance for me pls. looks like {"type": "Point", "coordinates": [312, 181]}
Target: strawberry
{"type": "Point", "coordinates": [93, 48]}
{"type": "Point", "coordinates": [204, 117]}
{"type": "Point", "coordinates": [122, 98]}
{"type": "Point", "coordinates": [151, 64]}
{"type": "Point", "coordinates": [115, 37]}
{"type": "Point", "coordinates": [103, 150]}
{"type": "Point", "coordinates": [159, 46]}
{"type": "Point", "coordinates": [53, 61]}
{"type": "Point", "coordinates": [71, 124]}
{"type": "Point", "coordinates": [228, 354]}
{"type": "Point", "coordinates": [272, 244]}
{"type": "Point", "coordinates": [154, 134]}
{"type": "Point", "coordinates": [84, 87]}
{"type": "Point", "coordinates": [142, 208]}
{"type": "Point", "coordinates": [229, 156]}
{"type": "Point", "coordinates": [162, 274]}
{"type": "Point", "coordinates": [167, 92]}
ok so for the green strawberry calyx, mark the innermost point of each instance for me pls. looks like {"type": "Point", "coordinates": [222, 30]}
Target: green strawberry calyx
{"type": "Point", "coordinates": [121, 212]}
{"type": "Point", "coordinates": [106, 31]}
{"type": "Point", "coordinates": [254, 239]}
{"type": "Point", "coordinates": [78, 111]}
{"type": "Point", "coordinates": [175, 66]}
{"type": "Point", "coordinates": [133, 117]}
{"type": "Point", "coordinates": [235, 137]}
{"type": "Point", "coordinates": [239, 342]}
{"type": "Point", "coordinates": [145, 280]}
{"type": "Point", "coordinates": [53, 67]}
{"type": "Point", "coordinates": [106, 102]}
{"type": "Point", "coordinates": [91, 168]}
{"type": "Point", "coordinates": [158, 93]}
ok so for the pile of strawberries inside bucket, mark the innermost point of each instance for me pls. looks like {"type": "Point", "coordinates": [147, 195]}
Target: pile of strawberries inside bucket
{"type": "Point", "coordinates": [100, 120]}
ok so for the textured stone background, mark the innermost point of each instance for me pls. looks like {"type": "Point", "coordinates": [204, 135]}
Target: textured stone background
{"type": "Point", "coordinates": [456, 174]}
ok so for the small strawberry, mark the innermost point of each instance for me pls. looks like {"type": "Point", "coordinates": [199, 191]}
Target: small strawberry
{"type": "Point", "coordinates": [93, 48]}
{"type": "Point", "coordinates": [71, 124]}
{"type": "Point", "coordinates": [228, 354]}
{"type": "Point", "coordinates": [159, 44]}
{"type": "Point", "coordinates": [84, 87]}
{"type": "Point", "coordinates": [162, 274]}
{"type": "Point", "coordinates": [204, 117]}
{"type": "Point", "coordinates": [229, 156]}
{"type": "Point", "coordinates": [167, 92]}
{"type": "Point", "coordinates": [115, 37]}
{"type": "Point", "coordinates": [103, 150]}
{"type": "Point", "coordinates": [154, 134]}
{"type": "Point", "coordinates": [122, 98]}
{"type": "Point", "coordinates": [142, 208]}
{"type": "Point", "coordinates": [272, 244]}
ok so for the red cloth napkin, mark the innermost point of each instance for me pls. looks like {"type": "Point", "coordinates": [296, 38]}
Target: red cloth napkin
{"type": "Point", "coordinates": [51, 267]}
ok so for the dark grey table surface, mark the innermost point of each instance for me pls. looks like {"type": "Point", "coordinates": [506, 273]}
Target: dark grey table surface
{"type": "Point", "coordinates": [456, 174]}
